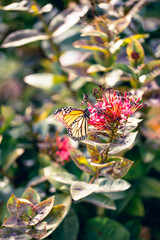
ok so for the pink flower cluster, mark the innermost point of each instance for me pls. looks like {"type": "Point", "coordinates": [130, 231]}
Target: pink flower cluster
{"type": "Point", "coordinates": [111, 109]}
{"type": "Point", "coordinates": [63, 146]}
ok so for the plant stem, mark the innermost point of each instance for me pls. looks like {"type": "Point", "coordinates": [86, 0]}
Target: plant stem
{"type": "Point", "coordinates": [54, 47]}
{"type": "Point", "coordinates": [47, 31]}
{"type": "Point", "coordinates": [95, 176]}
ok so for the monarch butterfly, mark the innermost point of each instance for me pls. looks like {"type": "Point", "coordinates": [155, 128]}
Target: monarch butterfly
{"type": "Point", "coordinates": [75, 120]}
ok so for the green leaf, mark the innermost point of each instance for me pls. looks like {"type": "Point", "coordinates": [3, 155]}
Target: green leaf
{"type": "Point", "coordinates": [149, 71]}
{"type": "Point", "coordinates": [123, 42]}
{"type": "Point", "coordinates": [95, 33]}
{"type": "Point", "coordinates": [95, 155]}
{"type": "Point", "coordinates": [11, 158]}
{"type": "Point", "coordinates": [68, 228]}
{"type": "Point", "coordinates": [12, 205]}
{"type": "Point", "coordinates": [80, 69]}
{"type": "Point", "coordinates": [144, 79]}
{"type": "Point", "coordinates": [123, 143]}
{"type": "Point", "coordinates": [45, 9]}
{"type": "Point", "coordinates": [105, 185]}
{"type": "Point", "coordinates": [17, 6]}
{"type": "Point", "coordinates": [38, 231]}
{"type": "Point", "coordinates": [149, 67]}
{"type": "Point", "coordinates": [136, 36]}
{"type": "Point", "coordinates": [42, 210]}
{"type": "Point", "coordinates": [135, 53]}
{"type": "Point", "coordinates": [100, 200]}
{"type": "Point", "coordinates": [78, 83]}
{"type": "Point", "coordinates": [116, 167]}
{"type": "Point", "coordinates": [25, 209]}
{"type": "Point", "coordinates": [62, 177]}
{"type": "Point", "coordinates": [7, 114]}
{"type": "Point", "coordinates": [114, 76]}
{"type": "Point", "coordinates": [101, 228]}
{"type": "Point", "coordinates": [82, 189]}
{"type": "Point", "coordinates": [156, 165]}
{"type": "Point", "coordinates": [55, 217]}
{"type": "Point", "coordinates": [58, 212]}
{"type": "Point", "coordinates": [97, 68]}
{"type": "Point", "coordinates": [44, 160]}
{"type": "Point", "coordinates": [134, 226]}
{"type": "Point", "coordinates": [44, 81]}
{"type": "Point", "coordinates": [14, 222]}
{"type": "Point", "coordinates": [131, 124]}
{"type": "Point", "coordinates": [8, 146]}
{"type": "Point", "coordinates": [149, 187]}
{"type": "Point", "coordinates": [65, 200]}
{"type": "Point", "coordinates": [22, 37]}
{"type": "Point", "coordinates": [62, 22]}
{"type": "Point", "coordinates": [84, 177]}
{"type": "Point", "coordinates": [135, 207]}
{"type": "Point", "coordinates": [11, 233]}
{"type": "Point", "coordinates": [26, 6]}
{"type": "Point", "coordinates": [125, 68]}
{"type": "Point", "coordinates": [81, 162]}
{"type": "Point", "coordinates": [86, 44]}
{"type": "Point", "coordinates": [97, 146]}
{"type": "Point", "coordinates": [48, 171]}
{"type": "Point", "coordinates": [31, 195]}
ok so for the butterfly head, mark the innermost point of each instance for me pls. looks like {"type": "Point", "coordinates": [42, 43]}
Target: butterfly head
{"type": "Point", "coordinates": [87, 113]}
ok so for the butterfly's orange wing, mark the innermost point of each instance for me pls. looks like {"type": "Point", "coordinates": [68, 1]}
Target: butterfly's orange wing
{"type": "Point", "coordinates": [75, 120]}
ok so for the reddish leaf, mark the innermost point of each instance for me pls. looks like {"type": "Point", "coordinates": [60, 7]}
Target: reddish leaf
{"type": "Point", "coordinates": [14, 222]}
{"type": "Point", "coordinates": [38, 231]}
{"type": "Point", "coordinates": [116, 168]}
{"type": "Point", "coordinates": [135, 53]}
{"type": "Point", "coordinates": [12, 205]}
{"type": "Point", "coordinates": [95, 156]}
{"type": "Point", "coordinates": [15, 234]}
{"type": "Point", "coordinates": [81, 162]}
{"type": "Point", "coordinates": [55, 216]}
{"type": "Point", "coordinates": [25, 209]}
{"type": "Point", "coordinates": [42, 210]}
{"type": "Point", "coordinates": [90, 46]}
{"type": "Point", "coordinates": [31, 195]}
{"type": "Point", "coordinates": [65, 200]}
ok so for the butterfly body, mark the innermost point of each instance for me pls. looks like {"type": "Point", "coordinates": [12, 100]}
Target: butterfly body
{"type": "Point", "coordinates": [75, 120]}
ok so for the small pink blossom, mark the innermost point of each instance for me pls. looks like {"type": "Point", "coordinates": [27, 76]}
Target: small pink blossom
{"type": "Point", "coordinates": [63, 147]}
{"type": "Point", "coordinates": [56, 147]}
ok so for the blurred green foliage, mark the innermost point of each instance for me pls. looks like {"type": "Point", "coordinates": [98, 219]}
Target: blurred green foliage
{"type": "Point", "coordinates": [53, 71]}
